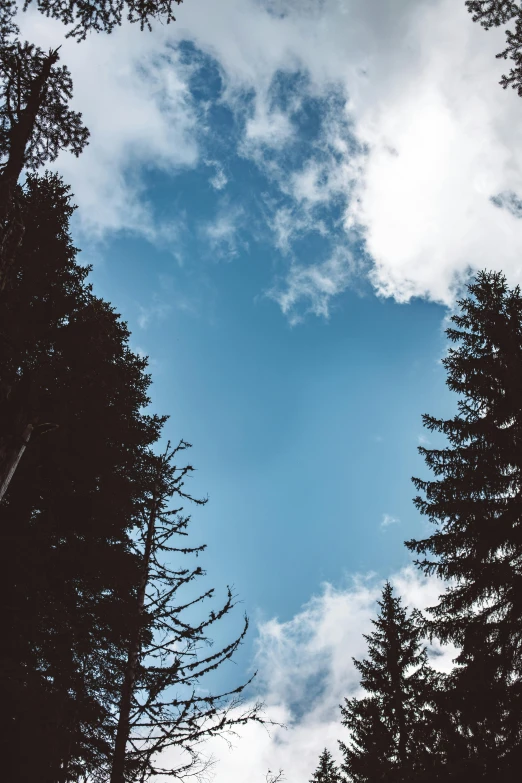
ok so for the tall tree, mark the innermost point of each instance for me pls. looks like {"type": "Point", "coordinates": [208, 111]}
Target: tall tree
{"type": "Point", "coordinates": [475, 501]}
{"type": "Point", "coordinates": [390, 728]}
{"type": "Point", "coordinates": [104, 15]}
{"type": "Point", "coordinates": [327, 771]}
{"type": "Point", "coordinates": [68, 573]}
{"type": "Point", "coordinates": [160, 707]}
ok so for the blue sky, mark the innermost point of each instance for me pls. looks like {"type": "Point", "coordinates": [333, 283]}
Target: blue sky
{"type": "Point", "coordinates": [283, 199]}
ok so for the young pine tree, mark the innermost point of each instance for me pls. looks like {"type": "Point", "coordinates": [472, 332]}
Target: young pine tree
{"type": "Point", "coordinates": [327, 771]}
{"type": "Point", "coordinates": [161, 706]}
{"type": "Point", "coordinates": [390, 728]}
{"type": "Point", "coordinates": [475, 501]}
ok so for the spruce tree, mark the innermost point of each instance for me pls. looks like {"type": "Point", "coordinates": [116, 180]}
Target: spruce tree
{"type": "Point", "coordinates": [326, 771]}
{"type": "Point", "coordinates": [390, 728]}
{"type": "Point", "coordinates": [475, 502]}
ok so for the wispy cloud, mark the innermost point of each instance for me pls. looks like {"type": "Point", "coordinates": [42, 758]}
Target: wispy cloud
{"type": "Point", "coordinates": [158, 309]}
{"type": "Point", "coordinates": [223, 233]}
{"type": "Point", "coordinates": [219, 180]}
{"type": "Point", "coordinates": [388, 520]}
{"type": "Point", "coordinates": [310, 289]}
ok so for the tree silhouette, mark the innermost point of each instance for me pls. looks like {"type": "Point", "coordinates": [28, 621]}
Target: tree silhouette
{"type": "Point", "coordinates": [104, 15]}
{"type": "Point", "coordinates": [390, 728]}
{"type": "Point", "coordinates": [326, 771]}
{"type": "Point", "coordinates": [160, 706]}
{"type": "Point", "coordinates": [68, 574]}
{"type": "Point", "coordinates": [475, 502]}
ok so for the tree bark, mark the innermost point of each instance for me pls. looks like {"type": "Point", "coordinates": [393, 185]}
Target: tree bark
{"type": "Point", "coordinates": [13, 458]}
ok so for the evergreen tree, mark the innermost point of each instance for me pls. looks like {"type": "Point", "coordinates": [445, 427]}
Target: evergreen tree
{"type": "Point", "coordinates": [105, 15]}
{"type": "Point", "coordinates": [390, 728]}
{"type": "Point", "coordinates": [475, 502]}
{"type": "Point", "coordinates": [159, 705]}
{"type": "Point", "coordinates": [497, 13]}
{"type": "Point", "coordinates": [68, 573]}
{"type": "Point", "coordinates": [326, 771]}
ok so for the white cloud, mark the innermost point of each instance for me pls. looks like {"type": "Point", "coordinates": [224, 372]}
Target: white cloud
{"type": "Point", "coordinates": [305, 672]}
{"type": "Point", "coordinates": [387, 520]}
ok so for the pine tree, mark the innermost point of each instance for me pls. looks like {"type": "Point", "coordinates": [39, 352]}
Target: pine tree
{"type": "Point", "coordinates": [475, 502]}
{"type": "Point", "coordinates": [104, 15]}
{"type": "Point", "coordinates": [326, 771]}
{"type": "Point", "coordinates": [159, 704]}
{"type": "Point", "coordinates": [390, 728]}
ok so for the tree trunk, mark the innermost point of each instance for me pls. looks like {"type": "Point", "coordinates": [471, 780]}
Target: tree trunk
{"type": "Point", "coordinates": [13, 458]}
{"type": "Point", "coordinates": [127, 690]}
{"type": "Point", "coordinates": [19, 138]}
{"type": "Point", "coordinates": [20, 135]}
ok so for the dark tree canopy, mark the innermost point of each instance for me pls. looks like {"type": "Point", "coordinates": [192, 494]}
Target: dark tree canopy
{"type": "Point", "coordinates": [390, 728]}
{"type": "Point", "coordinates": [68, 573]}
{"type": "Point", "coordinates": [85, 16]}
{"type": "Point", "coordinates": [327, 771]}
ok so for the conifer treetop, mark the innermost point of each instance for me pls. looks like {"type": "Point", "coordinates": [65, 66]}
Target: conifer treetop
{"type": "Point", "coordinates": [327, 771]}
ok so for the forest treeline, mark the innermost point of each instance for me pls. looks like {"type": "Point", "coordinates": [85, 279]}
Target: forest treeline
{"type": "Point", "coordinates": [414, 723]}
{"type": "Point", "coordinates": [106, 636]}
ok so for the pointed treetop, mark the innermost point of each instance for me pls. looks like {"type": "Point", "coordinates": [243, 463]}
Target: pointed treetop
{"type": "Point", "coordinates": [326, 771]}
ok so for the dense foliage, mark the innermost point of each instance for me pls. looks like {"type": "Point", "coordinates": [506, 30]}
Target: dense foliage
{"type": "Point", "coordinates": [84, 16]}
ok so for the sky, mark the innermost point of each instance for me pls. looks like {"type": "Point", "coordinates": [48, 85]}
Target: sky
{"type": "Point", "coordinates": [284, 199]}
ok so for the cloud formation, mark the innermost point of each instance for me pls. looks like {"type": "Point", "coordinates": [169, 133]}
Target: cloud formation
{"type": "Point", "coordinates": [417, 152]}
